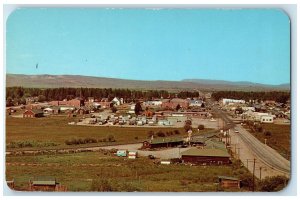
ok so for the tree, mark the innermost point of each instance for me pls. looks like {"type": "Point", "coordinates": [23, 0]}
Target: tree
{"type": "Point", "coordinates": [138, 108]}
{"type": "Point", "coordinates": [201, 127]}
{"type": "Point", "coordinates": [41, 98]}
{"type": "Point", "coordinates": [114, 109]}
{"type": "Point", "coordinates": [9, 101]}
{"type": "Point", "coordinates": [178, 107]}
{"type": "Point", "coordinates": [187, 127]}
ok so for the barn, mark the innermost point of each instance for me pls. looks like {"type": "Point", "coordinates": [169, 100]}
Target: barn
{"type": "Point", "coordinates": [206, 156]}
{"type": "Point", "coordinates": [33, 113]}
{"type": "Point", "coordinates": [229, 182]}
{"type": "Point", "coordinates": [165, 142]}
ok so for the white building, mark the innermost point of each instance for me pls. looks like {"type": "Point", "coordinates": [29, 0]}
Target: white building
{"type": "Point", "coordinates": [117, 101]}
{"type": "Point", "coordinates": [266, 119]}
{"type": "Point", "coordinates": [248, 108]}
{"type": "Point", "coordinates": [153, 103]}
{"type": "Point", "coordinates": [227, 101]}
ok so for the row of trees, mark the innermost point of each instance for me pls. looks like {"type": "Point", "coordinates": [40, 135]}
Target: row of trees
{"type": "Point", "coordinates": [19, 94]}
{"type": "Point", "coordinates": [278, 96]}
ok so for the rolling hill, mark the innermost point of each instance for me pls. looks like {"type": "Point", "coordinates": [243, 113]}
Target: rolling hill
{"type": "Point", "coordinates": [54, 81]}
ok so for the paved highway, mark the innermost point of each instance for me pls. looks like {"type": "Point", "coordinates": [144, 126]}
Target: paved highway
{"type": "Point", "coordinates": [263, 152]}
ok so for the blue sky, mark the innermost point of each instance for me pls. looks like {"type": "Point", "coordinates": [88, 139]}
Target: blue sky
{"type": "Point", "coordinates": [143, 44]}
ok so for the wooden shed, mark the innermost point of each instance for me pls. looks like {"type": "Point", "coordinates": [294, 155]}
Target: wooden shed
{"type": "Point", "coordinates": [11, 184]}
{"type": "Point", "coordinates": [206, 156]}
{"type": "Point", "coordinates": [45, 184]}
{"type": "Point", "coordinates": [33, 113]}
{"type": "Point", "coordinates": [229, 182]}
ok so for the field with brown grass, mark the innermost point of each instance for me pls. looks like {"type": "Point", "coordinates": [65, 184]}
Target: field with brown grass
{"type": "Point", "coordinates": [95, 171]}
{"type": "Point", "coordinates": [52, 133]}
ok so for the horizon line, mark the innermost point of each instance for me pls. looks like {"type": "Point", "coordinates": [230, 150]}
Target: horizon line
{"type": "Point", "coordinates": [182, 80]}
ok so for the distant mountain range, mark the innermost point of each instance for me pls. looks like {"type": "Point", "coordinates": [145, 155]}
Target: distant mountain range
{"type": "Point", "coordinates": [54, 81]}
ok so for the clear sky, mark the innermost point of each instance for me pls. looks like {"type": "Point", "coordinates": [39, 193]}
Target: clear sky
{"type": "Point", "coordinates": [143, 44]}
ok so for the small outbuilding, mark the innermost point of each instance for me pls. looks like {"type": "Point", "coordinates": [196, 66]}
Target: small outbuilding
{"type": "Point", "coordinates": [229, 182]}
{"type": "Point", "coordinates": [45, 184]}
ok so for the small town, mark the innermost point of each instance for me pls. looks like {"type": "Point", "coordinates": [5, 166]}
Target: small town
{"type": "Point", "coordinates": [112, 100]}
{"type": "Point", "coordinates": [198, 131]}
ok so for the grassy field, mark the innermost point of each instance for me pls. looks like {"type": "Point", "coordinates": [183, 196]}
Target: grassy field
{"type": "Point", "coordinates": [280, 138]}
{"type": "Point", "coordinates": [118, 174]}
{"type": "Point", "coordinates": [52, 132]}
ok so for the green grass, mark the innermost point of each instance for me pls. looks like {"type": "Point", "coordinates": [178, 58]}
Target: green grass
{"type": "Point", "coordinates": [120, 174]}
{"type": "Point", "coordinates": [56, 129]}
{"type": "Point", "coordinates": [280, 138]}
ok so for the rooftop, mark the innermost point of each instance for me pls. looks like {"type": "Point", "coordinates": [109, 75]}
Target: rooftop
{"type": "Point", "coordinates": [205, 152]}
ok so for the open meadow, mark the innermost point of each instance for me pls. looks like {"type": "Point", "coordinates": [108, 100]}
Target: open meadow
{"type": "Point", "coordinates": [278, 137]}
{"type": "Point", "coordinates": [99, 171]}
{"type": "Point", "coordinates": [53, 132]}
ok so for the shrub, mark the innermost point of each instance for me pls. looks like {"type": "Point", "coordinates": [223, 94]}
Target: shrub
{"type": "Point", "coordinates": [160, 134]}
{"type": "Point", "coordinates": [111, 138]}
{"type": "Point", "coordinates": [201, 127]}
{"type": "Point", "coordinates": [268, 133]}
{"type": "Point", "coordinates": [187, 127]}
{"type": "Point", "coordinates": [101, 185]}
{"type": "Point", "coordinates": [273, 184]}
{"type": "Point", "coordinates": [246, 181]}
{"type": "Point", "coordinates": [150, 133]}
{"type": "Point", "coordinates": [136, 138]}
{"type": "Point", "coordinates": [189, 122]}
{"type": "Point", "coordinates": [176, 132]}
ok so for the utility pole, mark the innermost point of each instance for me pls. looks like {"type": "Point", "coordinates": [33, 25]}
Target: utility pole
{"type": "Point", "coordinates": [253, 178]}
{"type": "Point", "coordinates": [247, 163]}
{"type": "Point", "coordinates": [260, 173]}
{"type": "Point", "coordinates": [238, 152]}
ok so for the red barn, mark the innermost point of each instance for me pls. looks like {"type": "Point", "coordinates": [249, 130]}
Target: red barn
{"type": "Point", "coordinates": [33, 113]}
{"type": "Point", "coordinates": [206, 156]}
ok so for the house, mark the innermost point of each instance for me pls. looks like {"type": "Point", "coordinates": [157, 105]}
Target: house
{"type": "Point", "coordinates": [48, 184]}
{"type": "Point", "coordinates": [173, 103]}
{"type": "Point", "coordinates": [231, 101]}
{"type": "Point", "coordinates": [165, 142]}
{"type": "Point", "coordinates": [196, 103]}
{"type": "Point", "coordinates": [77, 103]}
{"type": "Point", "coordinates": [117, 101]}
{"type": "Point", "coordinates": [48, 110]}
{"type": "Point", "coordinates": [266, 119]}
{"type": "Point", "coordinates": [10, 110]}
{"type": "Point", "coordinates": [153, 103]}
{"type": "Point", "coordinates": [206, 156]}
{"type": "Point", "coordinates": [91, 99]}
{"type": "Point", "coordinates": [229, 182]}
{"type": "Point", "coordinates": [105, 103]}
{"type": "Point", "coordinates": [33, 113]}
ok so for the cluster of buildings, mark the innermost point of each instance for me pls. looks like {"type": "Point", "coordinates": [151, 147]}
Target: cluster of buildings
{"type": "Point", "coordinates": [263, 112]}
{"type": "Point", "coordinates": [205, 150]}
